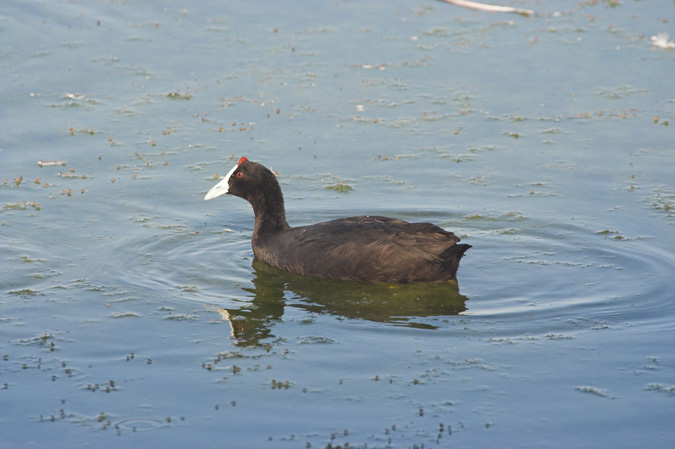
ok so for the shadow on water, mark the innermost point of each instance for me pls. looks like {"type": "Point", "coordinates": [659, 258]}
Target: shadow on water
{"type": "Point", "coordinates": [396, 304]}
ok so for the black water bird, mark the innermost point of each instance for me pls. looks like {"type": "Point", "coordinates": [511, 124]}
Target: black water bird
{"type": "Point", "coordinates": [365, 248]}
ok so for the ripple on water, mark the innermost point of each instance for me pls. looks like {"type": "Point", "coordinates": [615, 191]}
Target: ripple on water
{"type": "Point", "coordinates": [140, 424]}
{"type": "Point", "coordinates": [542, 270]}
{"type": "Point", "coordinates": [159, 262]}
{"type": "Point", "coordinates": [520, 267]}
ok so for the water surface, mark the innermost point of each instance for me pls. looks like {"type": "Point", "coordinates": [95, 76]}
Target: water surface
{"type": "Point", "coordinates": [132, 313]}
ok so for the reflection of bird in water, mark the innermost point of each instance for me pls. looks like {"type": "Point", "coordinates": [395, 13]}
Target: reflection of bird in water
{"type": "Point", "coordinates": [397, 304]}
{"type": "Point", "coordinates": [366, 248]}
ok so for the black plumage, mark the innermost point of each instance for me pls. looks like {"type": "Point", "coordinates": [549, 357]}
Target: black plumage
{"type": "Point", "coordinates": [364, 248]}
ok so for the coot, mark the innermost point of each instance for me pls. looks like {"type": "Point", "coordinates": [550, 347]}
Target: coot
{"type": "Point", "coordinates": [366, 248]}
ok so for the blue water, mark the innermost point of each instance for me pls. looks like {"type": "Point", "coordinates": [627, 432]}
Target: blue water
{"type": "Point", "coordinates": [132, 313]}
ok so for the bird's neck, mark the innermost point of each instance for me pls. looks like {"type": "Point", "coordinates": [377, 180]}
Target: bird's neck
{"type": "Point", "coordinates": [269, 211]}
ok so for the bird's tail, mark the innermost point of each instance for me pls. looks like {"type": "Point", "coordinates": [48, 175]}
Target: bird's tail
{"type": "Point", "coordinates": [452, 256]}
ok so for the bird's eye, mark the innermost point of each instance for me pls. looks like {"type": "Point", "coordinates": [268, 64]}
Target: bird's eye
{"type": "Point", "coordinates": [240, 175]}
